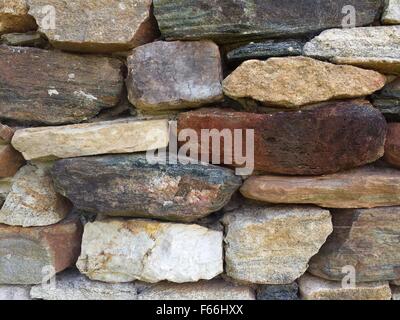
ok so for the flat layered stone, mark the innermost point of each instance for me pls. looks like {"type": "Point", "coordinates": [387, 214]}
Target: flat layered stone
{"type": "Point", "coordinates": [202, 290]}
{"type": "Point", "coordinates": [6, 134]}
{"type": "Point", "coordinates": [33, 201]}
{"type": "Point", "coordinates": [366, 187]}
{"type": "Point", "coordinates": [17, 293]}
{"type": "Point", "coordinates": [366, 239]}
{"type": "Point", "coordinates": [313, 288]}
{"type": "Point", "coordinates": [388, 100]}
{"type": "Point", "coordinates": [375, 48]}
{"type": "Point", "coordinates": [119, 136]}
{"type": "Point", "coordinates": [28, 255]}
{"type": "Point", "coordinates": [343, 135]}
{"type": "Point", "coordinates": [174, 75]}
{"type": "Point", "coordinates": [131, 186]}
{"type": "Point", "coordinates": [14, 17]}
{"type": "Point", "coordinates": [227, 21]}
{"type": "Point", "coordinates": [127, 250]}
{"type": "Point", "coordinates": [71, 285]}
{"type": "Point", "coordinates": [293, 82]}
{"type": "Point", "coordinates": [391, 15]}
{"type": "Point", "coordinates": [5, 187]}
{"type": "Point", "coordinates": [278, 292]}
{"type": "Point", "coordinates": [107, 26]}
{"type": "Point", "coordinates": [392, 146]}
{"type": "Point", "coordinates": [52, 87]}
{"type": "Point", "coordinates": [10, 161]}
{"type": "Point", "coordinates": [29, 39]}
{"type": "Point", "coordinates": [272, 245]}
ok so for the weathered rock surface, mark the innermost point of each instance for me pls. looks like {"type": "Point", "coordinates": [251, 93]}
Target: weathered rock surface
{"type": "Point", "coordinates": [54, 88]}
{"type": "Point", "coordinates": [388, 100]}
{"type": "Point", "coordinates": [130, 185]}
{"type": "Point", "coordinates": [119, 136]}
{"type": "Point", "coordinates": [391, 15]}
{"type": "Point", "coordinates": [127, 250]}
{"type": "Point", "coordinates": [366, 239]}
{"type": "Point", "coordinates": [10, 293]}
{"type": "Point", "coordinates": [228, 21]}
{"type": "Point", "coordinates": [6, 134]}
{"type": "Point", "coordinates": [278, 292]}
{"type": "Point", "coordinates": [392, 146]}
{"type": "Point", "coordinates": [202, 290]}
{"type": "Point", "coordinates": [33, 201]}
{"type": "Point", "coordinates": [5, 187]}
{"type": "Point", "coordinates": [174, 75]}
{"type": "Point", "coordinates": [395, 293]}
{"type": "Point", "coordinates": [366, 187]}
{"type": "Point", "coordinates": [97, 26]}
{"type": "Point", "coordinates": [14, 17]}
{"type": "Point", "coordinates": [375, 48]}
{"type": "Point", "coordinates": [272, 245]}
{"type": "Point", "coordinates": [30, 39]}
{"type": "Point", "coordinates": [343, 135]}
{"type": "Point", "coordinates": [313, 288]}
{"type": "Point", "coordinates": [296, 81]}
{"type": "Point", "coordinates": [10, 161]}
{"type": "Point", "coordinates": [27, 255]}
{"type": "Point", "coordinates": [71, 285]}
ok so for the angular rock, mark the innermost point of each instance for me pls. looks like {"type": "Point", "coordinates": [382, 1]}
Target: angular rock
{"type": "Point", "coordinates": [105, 26]}
{"type": "Point", "coordinates": [279, 292]}
{"type": "Point", "coordinates": [296, 81]}
{"type": "Point", "coordinates": [30, 39]}
{"type": "Point", "coordinates": [28, 255]}
{"type": "Point", "coordinates": [6, 134]}
{"type": "Point", "coordinates": [131, 186]}
{"type": "Point", "coordinates": [266, 49]}
{"type": "Point", "coordinates": [391, 15]}
{"type": "Point", "coordinates": [5, 187]}
{"type": "Point", "coordinates": [10, 161]}
{"type": "Point", "coordinates": [33, 201]}
{"type": "Point", "coordinates": [343, 135]}
{"type": "Point", "coordinates": [119, 136]}
{"type": "Point", "coordinates": [52, 87]}
{"type": "Point", "coordinates": [366, 187]}
{"type": "Point", "coordinates": [375, 48]}
{"type": "Point", "coordinates": [313, 288]}
{"type": "Point", "coordinates": [126, 250]}
{"type": "Point", "coordinates": [174, 75]}
{"type": "Point", "coordinates": [202, 290]}
{"type": "Point", "coordinates": [14, 17]}
{"type": "Point", "coordinates": [272, 245]}
{"type": "Point", "coordinates": [388, 100]}
{"type": "Point", "coordinates": [392, 146]}
{"type": "Point", "coordinates": [231, 21]}
{"type": "Point", "coordinates": [18, 293]}
{"type": "Point", "coordinates": [71, 285]}
{"type": "Point", "coordinates": [366, 239]}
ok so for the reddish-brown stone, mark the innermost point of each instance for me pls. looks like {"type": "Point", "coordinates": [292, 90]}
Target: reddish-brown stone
{"type": "Point", "coordinates": [6, 134]}
{"type": "Point", "coordinates": [324, 138]}
{"type": "Point", "coordinates": [10, 161]}
{"type": "Point", "coordinates": [392, 146]}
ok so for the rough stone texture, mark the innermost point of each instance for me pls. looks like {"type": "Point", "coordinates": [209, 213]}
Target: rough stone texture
{"type": "Point", "coordinates": [14, 17]}
{"type": "Point", "coordinates": [392, 146]}
{"type": "Point", "coordinates": [395, 293]}
{"type": "Point", "coordinates": [375, 48]}
{"type": "Point", "coordinates": [202, 290]}
{"type": "Point", "coordinates": [230, 21]}
{"type": "Point", "coordinates": [33, 201]}
{"type": "Point", "coordinates": [343, 135]}
{"type": "Point", "coordinates": [119, 136]}
{"type": "Point", "coordinates": [10, 293]}
{"type": "Point", "coordinates": [97, 25]}
{"type": "Point", "coordinates": [296, 81]}
{"type": "Point", "coordinates": [174, 75]}
{"type": "Point", "coordinates": [27, 254]}
{"type": "Point", "coordinates": [366, 187]}
{"type": "Point", "coordinates": [150, 251]}
{"type": "Point", "coordinates": [388, 100]}
{"type": "Point", "coordinates": [278, 292]}
{"type": "Point", "coordinates": [30, 39]}
{"type": "Point", "coordinates": [10, 161]}
{"type": "Point", "coordinates": [272, 245]}
{"type": "Point", "coordinates": [391, 15]}
{"type": "Point", "coordinates": [53, 87]}
{"type": "Point", "coordinates": [129, 185]}
{"type": "Point", "coordinates": [366, 239]}
{"type": "Point", "coordinates": [313, 288]}
{"type": "Point", "coordinates": [6, 134]}
{"type": "Point", "coordinates": [71, 285]}
{"type": "Point", "coordinates": [5, 187]}
{"type": "Point", "coordinates": [266, 49]}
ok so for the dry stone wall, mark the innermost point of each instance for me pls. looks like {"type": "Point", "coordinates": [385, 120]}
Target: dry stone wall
{"type": "Point", "coordinates": [199, 149]}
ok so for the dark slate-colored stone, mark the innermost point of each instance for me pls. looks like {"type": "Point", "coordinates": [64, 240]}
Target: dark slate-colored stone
{"type": "Point", "coordinates": [388, 100]}
{"type": "Point", "coordinates": [278, 292]}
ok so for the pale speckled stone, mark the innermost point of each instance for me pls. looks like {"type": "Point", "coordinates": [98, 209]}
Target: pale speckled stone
{"type": "Point", "coordinates": [119, 136]}
{"type": "Point", "coordinates": [391, 15]}
{"type": "Point", "coordinates": [272, 245]}
{"type": "Point", "coordinates": [117, 250]}
{"type": "Point", "coordinates": [313, 288]}
{"type": "Point", "coordinates": [14, 292]}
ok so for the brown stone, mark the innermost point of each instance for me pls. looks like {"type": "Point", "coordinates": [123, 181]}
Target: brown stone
{"type": "Point", "coordinates": [10, 161]}
{"type": "Point", "coordinates": [325, 139]}
{"type": "Point", "coordinates": [6, 134]}
{"type": "Point", "coordinates": [364, 239]}
{"type": "Point", "coordinates": [14, 17]}
{"type": "Point", "coordinates": [29, 254]}
{"type": "Point", "coordinates": [365, 187]}
{"type": "Point", "coordinates": [53, 87]}
{"type": "Point", "coordinates": [392, 146]}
